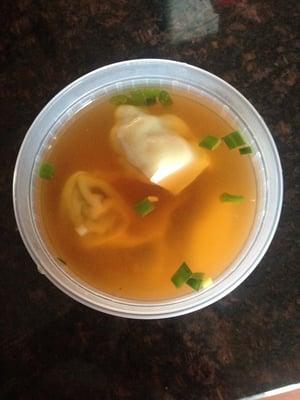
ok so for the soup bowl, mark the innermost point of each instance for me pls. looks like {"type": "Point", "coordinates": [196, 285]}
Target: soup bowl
{"type": "Point", "coordinates": [117, 78]}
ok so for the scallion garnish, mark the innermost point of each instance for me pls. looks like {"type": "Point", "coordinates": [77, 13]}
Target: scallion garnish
{"type": "Point", "coordinates": [206, 283]}
{"type": "Point", "coordinates": [137, 98]}
{"type": "Point", "coordinates": [231, 198]}
{"type": "Point", "coordinates": [61, 260]}
{"type": "Point", "coordinates": [119, 100]}
{"type": "Point", "coordinates": [164, 98]}
{"type": "Point", "coordinates": [144, 207]}
{"type": "Point", "coordinates": [245, 150]}
{"type": "Point", "coordinates": [196, 281]}
{"type": "Point", "coordinates": [151, 92]}
{"type": "Point", "coordinates": [150, 101]}
{"type": "Point", "coordinates": [234, 139]}
{"type": "Point", "coordinates": [46, 171]}
{"type": "Point", "coordinates": [143, 97]}
{"type": "Point", "coordinates": [210, 142]}
{"type": "Point", "coordinates": [182, 275]}
{"type": "Point", "coordinates": [150, 95]}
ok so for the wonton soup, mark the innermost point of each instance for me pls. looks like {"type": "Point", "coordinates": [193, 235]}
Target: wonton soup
{"type": "Point", "coordinates": [147, 194]}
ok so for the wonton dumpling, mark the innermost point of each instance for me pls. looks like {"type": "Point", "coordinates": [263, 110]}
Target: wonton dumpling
{"type": "Point", "coordinates": [94, 208]}
{"type": "Point", "coordinates": [100, 215]}
{"type": "Point", "coordinates": [162, 148]}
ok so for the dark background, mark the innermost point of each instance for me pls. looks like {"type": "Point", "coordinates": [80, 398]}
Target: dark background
{"type": "Point", "coordinates": [53, 347]}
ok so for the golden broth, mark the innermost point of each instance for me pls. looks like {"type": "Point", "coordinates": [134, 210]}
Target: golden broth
{"type": "Point", "coordinates": [200, 230]}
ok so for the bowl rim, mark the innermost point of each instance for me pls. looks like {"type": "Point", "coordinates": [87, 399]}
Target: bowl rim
{"type": "Point", "coordinates": [152, 310]}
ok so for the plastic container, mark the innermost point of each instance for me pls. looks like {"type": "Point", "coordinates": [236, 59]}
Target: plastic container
{"type": "Point", "coordinates": [120, 76]}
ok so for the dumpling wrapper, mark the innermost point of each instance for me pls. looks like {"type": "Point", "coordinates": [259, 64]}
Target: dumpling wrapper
{"type": "Point", "coordinates": [95, 209]}
{"type": "Point", "coordinates": [100, 215]}
{"type": "Point", "coordinates": [162, 148]}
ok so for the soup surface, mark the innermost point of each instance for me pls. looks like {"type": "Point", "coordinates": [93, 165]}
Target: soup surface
{"type": "Point", "coordinates": [191, 225]}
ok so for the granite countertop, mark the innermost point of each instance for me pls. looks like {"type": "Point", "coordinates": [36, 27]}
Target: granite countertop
{"type": "Point", "coordinates": [54, 347]}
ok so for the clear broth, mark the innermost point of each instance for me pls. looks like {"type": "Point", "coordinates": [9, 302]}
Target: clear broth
{"type": "Point", "coordinates": [202, 231]}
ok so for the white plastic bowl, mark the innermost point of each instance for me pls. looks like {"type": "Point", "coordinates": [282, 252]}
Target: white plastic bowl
{"type": "Point", "coordinates": [117, 77]}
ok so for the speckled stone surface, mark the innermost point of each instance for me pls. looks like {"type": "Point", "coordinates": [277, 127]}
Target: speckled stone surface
{"type": "Point", "coordinates": [54, 348]}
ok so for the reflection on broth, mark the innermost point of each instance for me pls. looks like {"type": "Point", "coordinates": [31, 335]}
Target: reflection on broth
{"type": "Point", "coordinates": [134, 196]}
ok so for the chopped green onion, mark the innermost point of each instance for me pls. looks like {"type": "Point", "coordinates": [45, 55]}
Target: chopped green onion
{"type": "Point", "coordinates": [164, 98]}
{"type": "Point", "coordinates": [234, 140]}
{"type": "Point", "coordinates": [143, 97]}
{"type": "Point", "coordinates": [137, 98]}
{"type": "Point", "coordinates": [119, 100]}
{"type": "Point", "coordinates": [198, 275]}
{"type": "Point", "coordinates": [206, 283]}
{"type": "Point", "coordinates": [62, 261]}
{"type": "Point", "coordinates": [144, 207]}
{"type": "Point", "coordinates": [150, 101]}
{"type": "Point", "coordinates": [46, 171]}
{"type": "Point", "coordinates": [231, 198]}
{"type": "Point", "coordinates": [245, 150]}
{"type": "Point", "coordinates": [151, 92]}
{"type": "Point", "coordinates": [210, 142]}
{"type": "Point", "coordinates": [195, 281]}
{"type": "Point", "coordinates": [182, 275]}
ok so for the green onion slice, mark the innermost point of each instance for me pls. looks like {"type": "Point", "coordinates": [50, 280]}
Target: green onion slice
{"type": "Point", "coordinates": [164, 98]}
{"type": "Point", "coordinates": [119, 100]}
{"type": "Point", "coordinates": [182, 275]}
{"type": "Point", "coordinates": [210, 142]}
{"type": "Point", "coordinates": [231, 198]}
{"type": "Point", "coordinates": [245, 150]}
{"type": "Point", "coordinates": [137, 98]}
{"type": "Point", "coordinates": [234, 139]}
{"type": "Point", "coordinates": [150, 101]}
{"type": "Point", "coordinates": [151, 92]}
{"type": "Point", "coordinates": [150, 96]}
{"type": "Point", "coordinates": [46, 171]}
{"type": "Point", "coordinates": [206, 283]}
{"type": "Point", "coordinates": [144, 207]}
{"type": "Point", "coordinates": [196, 281]}
{"type": "Point", "coordinates": [142, 97]}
